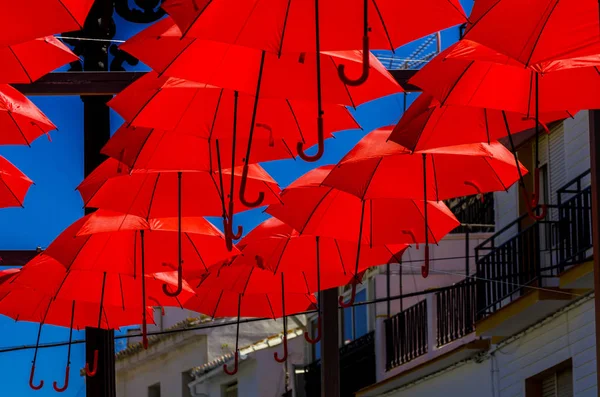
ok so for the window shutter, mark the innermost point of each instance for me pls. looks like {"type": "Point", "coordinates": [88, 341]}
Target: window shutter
{"type": "Point", "coordinates": [564, 383]}
{"type": "Point", "coordinates": [549, 386]}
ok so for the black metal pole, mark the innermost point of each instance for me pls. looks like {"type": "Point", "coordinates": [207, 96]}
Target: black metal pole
{"type": "Point", "coordinates": [595, 169]}
{"type": "Point", "coordinates": [330, 353]}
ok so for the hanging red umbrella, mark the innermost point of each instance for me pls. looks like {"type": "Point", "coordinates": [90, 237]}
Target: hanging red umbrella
{"type": "Point", "coordinates": [281, 26]}
{"type": "Point", "coordinates": [541, 31]}
{"type": "Point", "coordinates": [312, 208]}
{"type": "Point", "coordinates": [21, 122]}
{"type": "Point", "coordinates": [277, 247]}
{"type": "Point", "coordinates": [30, 19]}
{"type": "Point", "coordinates": [22, 299]}
{"type": "Point", "coordinates": [428, 125]}
{"type": "Point", "coordinates": [13, 185]}
{"type": "Point", "coordinates": [28, 61]}
{"type": "Point", "coordinates": [169, 103]}
{"type": "Point", "coordinates": [506, 87]}
{"type": "Point", "coordinates": [216, 301]}
{"type": "Point", "coordinates": [259, 73]}
{"type": "Point", "coordinates": [376, 167]}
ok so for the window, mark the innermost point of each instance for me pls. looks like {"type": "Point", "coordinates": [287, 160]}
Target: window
{"type": "Point", "coordinates": [231, 390]}
{"type": "Point", "coordinates": [355, 320]}
{"type": "Point", "coordinates": [554, 382]}
{"type": "Point", "coordinates": [154, 390]}
{"type": "Point", "coordinates": [186, 379]}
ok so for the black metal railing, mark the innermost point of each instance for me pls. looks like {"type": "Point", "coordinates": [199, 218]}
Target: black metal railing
{"type": "Point", "coordinates": [456, 309]}
{"type": "Point", "coordinates": [573, 233]}
{"type": "Point", "coordinates": [522, 253]}
{"type": "Point", "coordinates": [406, 335]}
{"type": "Point", "coordinates": [473, 211]}
{"type": "Point", "coordinates": [357, 368]}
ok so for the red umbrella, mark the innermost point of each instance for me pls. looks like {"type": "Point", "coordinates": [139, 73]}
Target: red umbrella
{"type": "Point", "coordinates": [28, 61]}
{"type": "Point", "coordinates": [259, 73]}
{"type": "Point", "coordinates": [282, 26]}
{"type": "Point", "coordinates": [30, 19]}
{"type": "Point", "coordinates": [22, 298]}
{"type": "Point", "coordinates": [277, 247]}
{"type": "Point", "coordinates": [169, 103]}
{"type": "Point", "coordinates": [541, 31]}
{"type": "Point", "coordinates": [150, 194]}
{"type": "Point", "coordinates": [376, 167]}
{"type": "Point", "coordinates": [13, 185]}
{"type": "Point", "coordinates": [312, 208]}
{"type": "Point", "coordinates": [21, 122]}
{"type": "Point", "coordinates": [510, 88]}
{"type": "Point", "coordinates": [427, 125]}
{"type": "Point", "coordinates": [212, 299]}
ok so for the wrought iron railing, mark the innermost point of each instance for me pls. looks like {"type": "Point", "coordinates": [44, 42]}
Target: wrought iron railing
{"type": "Point", "coordinates": [456, 310]}
{"type": "Point", "coordinates": [406, 335]}
{"type": "Point", "coordinates": [521, 255]}
{"type": "Point", "coordinates": [476, 213]}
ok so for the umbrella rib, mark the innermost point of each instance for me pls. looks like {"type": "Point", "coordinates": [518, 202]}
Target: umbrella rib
{"type": "Point", "coordinates": [137, 155]}
{"type": "Point", "coordinates": [387, 35]}
{"type": "Point", "coordinates": [486, 159]}
{"type": "Point", "coordinates": [487, 127]}
{"type": "Point", "coordinates": [306, 282]}
{"type": "Point", "coordinates": [443, 102]}
{"type": "Point", "coordinates": [540, 34]}
{"type": "Point", "coordinates": [437, 190]}
{"type": "Point", "coordinates": [425, 124]}
{"type": "Point", "coordinates": [187, 108]}
{"type": "Point", "coordinates": [176, 57]}
{"type": "Point", "coordinates": [151, 196]}
{"type": "Point", "coordinates": [420, 212]}
{"type": "Point", "coordinates": [20, 64]}
{"type": "Point", "coordinates": [122, 295]}
{"type": "Point", "coordinates": [371, 178]}
{"type": "Point", "coordinates": [217, 304]}
{"type": "Point", "coordinates": [19, 128]}
{"type": "Point", "coordinates": [340, 256]}
{"type": "Point", "coordinates": [212, 125]}
{"type": "Point", "coordinates": [287, 148]}
{"type": "Point", "coordinates": [270, 306]}
{"type": "Point", "coordinates": [281, 255]}
{"type": "Point", "coordinates": [398, 260]}
{"type": "Point", "coordinates": [314, 210]}
{"type": "Point", "coordinates": [208, 3]}
{"type": "Point", "coordinates": [196, 250]}
{"type": "Point", "coordinates": [70, 14]}
{"type": "Point", "coordinates": [473, 24]}
{"type": "Point", "coordinates": [87, 238]}
{"type": "Point", "coordinates": [268, 186]}
{"type": "Point", "coordinates": [287, 12]}
{"type": "Point", "coordinates": [295, 120]}
{"type": "Point", "coordinates": [11, 192]}
{"type": "Point", "coordinates": [144, 106]}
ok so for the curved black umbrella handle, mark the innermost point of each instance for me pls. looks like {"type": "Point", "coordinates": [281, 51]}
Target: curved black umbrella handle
{"type": "Point", "coordinates": [162, 309]}
{"type": "Point", "coordinates": [529, 203]}
{"type": "Point", "coordinates": [92, 372]}
{"type": "Point", "coordinates": [316, 339]}
{"type": "Point", "coordinates": [412, 236]}
{"type": "Point", "coordinates": [235, 366]}
{"type": "Point", "coordinates": [66, 384]}
{"type": "Point", "coordinates": [477, 189]}
{"type": "Point", "coordinates": [247, 203]}
{"type": "Point", "coordinates": [285, 352]}
{"type": "Point", "coordinates": [366, 66]}
{"type": "Point", "coordinates": [535, 197]}
{"type": "Point", "coordinates": [320, 144]}
{"type": "Point", "coordinates": [352, 297]}
{"type": "Point", "coordinates": [31, 377]}
{"type": "Point", "coordinates": [165, 287]}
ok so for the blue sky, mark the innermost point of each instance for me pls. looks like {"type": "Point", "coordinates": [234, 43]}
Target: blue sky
{"type": "Point", "coordinates": [52, 204]}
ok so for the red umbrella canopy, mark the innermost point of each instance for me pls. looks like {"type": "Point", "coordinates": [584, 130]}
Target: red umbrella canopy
{"type": "Point", "coordinates": [30, 19]}
{"type": "Point", "coordinates": [281, 26]}
{"type": "Point", "coordinates": [378, 168]}
{"type": "Point", "coordinates": [470, 50]}
{"type": "Point", "coordinates": [154, 194]}
{"type": "Point", "coordinates": [427, 125]}
{"type": "Point", "coordinates": [541, 30]}
{"type": "Point", "coordinates": [28, 61]}
{"type": "Point", "coordinates": [22, 303]}
{"type": "Point", "coordinates": [312, 208]}
{"type": "Point", "coordinates": [21, 122]}
{"type": "Point", "coordinates": [91, 243]}
{"type": "Point", "coordinates": [505, 87]}
{"type": "Point", "coordinates": [47, 276]}
{"type": "Point", "coordinates": [169, 103]}
{"type": "Point", "coordinates": [159, 150]}
{"type": "Point", "coordinates": [291, 76]}
{"type": "Point", "coordinates": [13, 185]}
{"type": "Point", "coordinates": [281, 249]}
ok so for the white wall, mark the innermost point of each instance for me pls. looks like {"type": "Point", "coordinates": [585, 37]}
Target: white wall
{"type": "Point", "coordinates": [569, 334]}
{"type": "Point", "coordinates": [577, 145]}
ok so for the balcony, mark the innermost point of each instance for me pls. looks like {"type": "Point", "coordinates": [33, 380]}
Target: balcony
{"type": "Point", "coordinates": [429, 336]}
{"type": "Point", "coordinates": [527, 271]}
